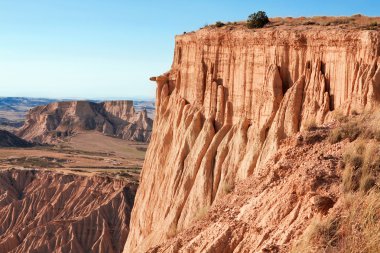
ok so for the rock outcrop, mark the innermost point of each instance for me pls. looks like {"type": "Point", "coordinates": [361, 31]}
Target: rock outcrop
{"type": "Point", "coordinates": [8, 139]}
{"type": "Point", "coordinates": [44, 211]}
{"type": "Point", "coordinates": [267, 213]}
{"type": "Point", "coordinates": [55, 121]}
{"type": "Point", "coordinates": [230, 98]}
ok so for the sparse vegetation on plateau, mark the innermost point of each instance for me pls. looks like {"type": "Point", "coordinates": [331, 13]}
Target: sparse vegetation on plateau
{"type": "Point", "coordinates": [219, 24]}
{"type": "Point", "coordinates": [257, 20]}
{"type": "Point", "coordinates": [355, 21]}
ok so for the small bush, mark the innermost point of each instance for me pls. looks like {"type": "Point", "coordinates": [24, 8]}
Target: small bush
{"type": "Point", "coordinates": [340, 117]}
{"type": "Point", "coordinates": [372, 134]}
{"type": "Point", "coordinates": [257, 20]}
{"type": "Point", "coordinates": [348, 130]}
{"type": "Point", "coordinates": [319, 234]}
{"type": "Point", "coordinates": [356, 229]}
{"type": "Point", "coordinates": [367, 182]}
{"type": "Point", "coordinates": [310, 23]}
{"type": "Point", "coordinates": [361, 165]}
{"type": "Point", "coordinates": [219, 24]}
{"type": "Point", "coordinates": [227, 187]}
{"type": "Point", "coordinates": [349, 180]}
{"type": "Point", "coordinates": [311, 125]}
{"type": "Point", "coordinates": [201, 212]}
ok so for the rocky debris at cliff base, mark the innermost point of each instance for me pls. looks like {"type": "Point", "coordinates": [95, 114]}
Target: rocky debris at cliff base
{"type": "Point", "coordinates": [271, 210]}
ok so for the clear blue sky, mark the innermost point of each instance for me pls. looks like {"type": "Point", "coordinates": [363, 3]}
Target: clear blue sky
{"type": "Point", "coordinates": [110, 48]}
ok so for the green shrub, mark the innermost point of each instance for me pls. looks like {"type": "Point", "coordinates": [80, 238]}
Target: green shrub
{"type": "Point", "coordinates": [257, 20]}
{"type": "Point", "coordinates": [310, 23]}
{"type": "Point", "coordinates": [219, 24]}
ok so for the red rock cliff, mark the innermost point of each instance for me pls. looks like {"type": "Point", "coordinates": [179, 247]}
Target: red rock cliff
{"type": "Point", "coordinates": [231, 96]}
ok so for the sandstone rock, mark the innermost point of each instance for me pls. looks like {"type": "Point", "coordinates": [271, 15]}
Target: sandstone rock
{"type": "Point", "coordinates": [53, 122]}
{"type": "Point", "coordinates": [267, 212]}
{"type": "Point", "coordinates": [52, 212]}
{"type": "Point", "coordinates": [229, 100]}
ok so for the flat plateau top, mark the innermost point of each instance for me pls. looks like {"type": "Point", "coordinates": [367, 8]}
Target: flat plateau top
{"type": "Point", "coordinates": [355, 22]}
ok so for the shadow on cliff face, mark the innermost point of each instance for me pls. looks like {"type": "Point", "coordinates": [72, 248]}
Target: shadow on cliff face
{"type": "Point", "coordinates": [52, 212]}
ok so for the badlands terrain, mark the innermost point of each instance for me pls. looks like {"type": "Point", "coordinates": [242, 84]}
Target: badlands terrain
{"type": "Point", "coordinates": [71, 192]}
{"type": "Point", "coordinates": [263, 140]}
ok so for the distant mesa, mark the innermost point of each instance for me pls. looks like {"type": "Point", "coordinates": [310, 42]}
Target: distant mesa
{"type": "Point", "coordinates": [8, 139]}
{"type": "Point", "coordinates": [56, 121]}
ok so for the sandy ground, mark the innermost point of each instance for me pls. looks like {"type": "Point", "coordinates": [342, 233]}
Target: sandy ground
{"type": "Point", "coordinates": [89, 152]}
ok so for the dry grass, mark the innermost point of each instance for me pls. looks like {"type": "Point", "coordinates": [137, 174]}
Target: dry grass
{"type": "Point", "coordinates": [357, 21]}
{"type": "Point", "coordinates": [348, 130]}
{"type": "Point", "coordinates": [227, 187]}
{"type": "Point", "coordinates": [319, 236]}
{"type": "Point", "coordinates": [362, 166]}
{"type": "Point", "coordinates": [353, 226]}
{"type": "Point", "coordinates": [361, 158]}
{"type": "Point", "coordinates": [311, 125]}
{"type": "Point", "coordinates": [356, 229]}
{"type": "Point", "coordinates": [365, 126]}
{"type": "Point", "coordinates": [201, 212]}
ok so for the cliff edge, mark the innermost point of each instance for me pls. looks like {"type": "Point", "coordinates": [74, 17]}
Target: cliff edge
{"type": "Point", "coordinates": [223, 109]}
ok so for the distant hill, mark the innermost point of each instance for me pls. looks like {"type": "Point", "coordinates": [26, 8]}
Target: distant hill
{"type": "Point", "coordinates": [8, 139]}
{"type": "Point", "coordinates": [21, 104]}
{"type": "Point", "coordinates": [54, 122]}
{"type": "Point", "coordinates": [13, 110]}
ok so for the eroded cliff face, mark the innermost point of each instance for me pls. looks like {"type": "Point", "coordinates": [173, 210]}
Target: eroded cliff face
{"type": "Point", "coordinates": [53, 212]}
{"type": "Point", "coordinates": [231, 96]}
{"type": "Point", "coordinates": [55, 121]}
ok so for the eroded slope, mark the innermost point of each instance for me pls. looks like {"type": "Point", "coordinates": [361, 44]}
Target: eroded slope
{"type": "Point", "coordinates": [319, 193]}
{"type": "Point", "coordinates": [43, 211]}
